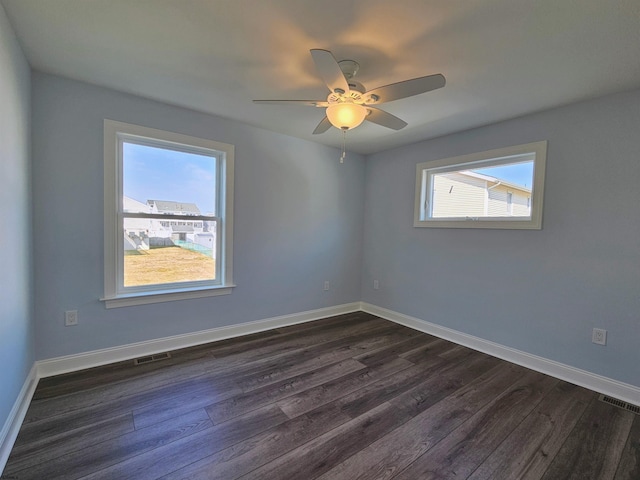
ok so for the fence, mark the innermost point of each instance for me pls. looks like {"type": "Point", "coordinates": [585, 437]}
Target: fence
{"type": "Point", "coordinates": [194, 247]}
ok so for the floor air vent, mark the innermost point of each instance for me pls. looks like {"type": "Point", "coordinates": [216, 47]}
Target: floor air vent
{"type": "Point", "coordinates": [152, 358]}
{"type": "Point", "coordinates": [619, 403]}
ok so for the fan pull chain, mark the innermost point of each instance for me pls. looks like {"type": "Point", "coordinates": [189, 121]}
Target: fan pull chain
{"type": "Point", "coordinates": [344, 143]}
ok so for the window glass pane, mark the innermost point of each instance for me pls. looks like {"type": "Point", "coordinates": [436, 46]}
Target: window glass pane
{"type": "Point", "coordinates": [159, 180]}
{"type": "Point", "coordinates": [496, 191]}
{"type": "Point", "coordinates": [168, 251]}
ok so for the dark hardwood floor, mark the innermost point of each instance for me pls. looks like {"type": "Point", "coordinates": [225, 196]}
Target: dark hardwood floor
{"type": "Point", "coordinates": [348, 397]}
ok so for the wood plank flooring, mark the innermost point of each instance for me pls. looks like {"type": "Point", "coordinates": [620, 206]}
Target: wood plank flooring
{"type": "Point", "coordinates": [344, 398]}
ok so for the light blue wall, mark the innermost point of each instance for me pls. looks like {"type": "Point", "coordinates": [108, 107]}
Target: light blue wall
{"type": "Point", "coordinates": [16, 329]}
{"type": "Point", "coordinates": [298, 221]}
{"type": "Point", "coordinates": [302, 218]}
{"type": "Point", "coordinates": [538, 291]}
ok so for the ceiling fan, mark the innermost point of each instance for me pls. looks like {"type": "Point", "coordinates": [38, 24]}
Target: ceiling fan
{"type": "Point", "coordinates": [349, 104]}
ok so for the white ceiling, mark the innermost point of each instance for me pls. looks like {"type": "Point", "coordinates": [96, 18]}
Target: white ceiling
{"type": "Point", "coordinates": [501, 58]}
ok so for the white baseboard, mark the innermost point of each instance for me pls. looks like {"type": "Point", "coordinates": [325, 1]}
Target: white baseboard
{"type": "Point", "coordinates": [71, 363]}
{"type": "Point", "coordinates": [583, 378]}
{"type": "Point", "coordinates": [11, 427]}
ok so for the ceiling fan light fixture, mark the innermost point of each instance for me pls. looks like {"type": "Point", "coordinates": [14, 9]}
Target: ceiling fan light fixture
{"type": "Point", "coordinates": [347, 115]}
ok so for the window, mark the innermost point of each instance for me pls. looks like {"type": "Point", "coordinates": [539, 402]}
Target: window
{"type": "Point", "coordinates": [168, 216]}
{"type": "Point", "coordinates": [496, 189]}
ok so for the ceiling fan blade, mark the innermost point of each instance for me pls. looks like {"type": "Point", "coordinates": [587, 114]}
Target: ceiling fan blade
{"type": "Point", "coordinates": [329, 70]}
{"type": "Point", "coordinates": [323, 126]}
{"type": "Point", "coordinates": [311, 103]}
{"type": "Point", "coordinates": [408, 88]}
{"type": "Point", "coordinates": [385, 119]}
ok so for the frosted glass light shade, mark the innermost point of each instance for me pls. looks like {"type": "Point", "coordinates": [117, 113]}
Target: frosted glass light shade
{"type": "Point", "coordinates": [346, 116]}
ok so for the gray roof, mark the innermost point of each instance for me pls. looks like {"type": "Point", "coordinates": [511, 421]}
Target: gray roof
{"type": "Point", "coordinates": [166, 206]}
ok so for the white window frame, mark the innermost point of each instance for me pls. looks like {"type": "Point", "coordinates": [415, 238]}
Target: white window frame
{"type": "Point", "coordinates": [537, 151]}
{"type": "Point", "coordinates": [115, 293]}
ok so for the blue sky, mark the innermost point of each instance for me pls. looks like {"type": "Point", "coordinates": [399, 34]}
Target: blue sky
{"type": "Point", "coordinates": [159, 174]}
{"type": "Point", "coordinates": [518, 173]}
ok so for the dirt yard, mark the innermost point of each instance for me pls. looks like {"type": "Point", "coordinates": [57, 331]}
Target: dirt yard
{"type": "Point", "coordinates": [166, 265]}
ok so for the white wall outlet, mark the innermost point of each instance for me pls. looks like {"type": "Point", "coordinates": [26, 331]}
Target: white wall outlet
{"type": "Point", "coordinates": [599, 336]}
{"type": "Point", "coordinates": [70, 318]}
{"type": "Point", "coordinates": [326, 285]}
{"type": "Point", "coordinates": [376, 284]}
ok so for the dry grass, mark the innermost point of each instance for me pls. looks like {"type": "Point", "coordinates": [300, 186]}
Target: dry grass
{"type": "Point", "coordinates": [167, 265]}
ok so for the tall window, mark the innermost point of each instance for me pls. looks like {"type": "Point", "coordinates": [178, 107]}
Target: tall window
{"type": "Point", "coordinates": [168, 215]}
{"type": "Point", "coordinates": [496, 189]}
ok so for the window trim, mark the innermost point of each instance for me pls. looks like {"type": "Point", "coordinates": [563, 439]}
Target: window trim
{"type": "Point", "coordinates": [114, 132]}
{"type": "Point", "coordinates": [487, 158]}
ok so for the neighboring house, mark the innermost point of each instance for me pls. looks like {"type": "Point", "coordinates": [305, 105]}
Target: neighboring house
{"type": "Point", "coordinates": [181, 230]}
{"type": "Point", "coordinates": [141, 233]}
{"type": "Point", "coordinates": [175, 208]}
{"type": "Point", "coordinates": [136, 230]}
{"type": "Point", "coordinates": [470, 194]}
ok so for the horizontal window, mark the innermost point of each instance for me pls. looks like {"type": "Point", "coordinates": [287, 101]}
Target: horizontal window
{"type": "Point", "coordinates": [500, 188]}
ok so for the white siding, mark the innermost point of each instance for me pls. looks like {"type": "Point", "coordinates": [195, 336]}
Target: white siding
{"type": "Point", "coordinates": [499, 207]}
{"type": "Point", "coordinates": [458, 195]}
{"type": "Point", "coordinates": [136, 224]}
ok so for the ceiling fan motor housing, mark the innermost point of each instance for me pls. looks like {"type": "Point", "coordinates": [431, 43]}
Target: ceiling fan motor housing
{"type": "Point", "coordinates": [349, 68]}
{"type": "Point", "coordinates": [352, 96]}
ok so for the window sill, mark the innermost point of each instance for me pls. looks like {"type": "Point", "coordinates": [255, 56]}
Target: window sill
{"type": "Point", "coordinates": [509, 224]}
{"type": "Point", "coordinates": [146, 298]}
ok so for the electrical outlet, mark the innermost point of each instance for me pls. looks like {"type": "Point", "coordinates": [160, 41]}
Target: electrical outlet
{"type": "Point", "coordinates": [70, 318]}
{"type": "Point", "coordinates": [599, 336]}
{"type": "Point", "coordinates": [376, 284]}
{"type": "Point", "coordinates": [326, 285]}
